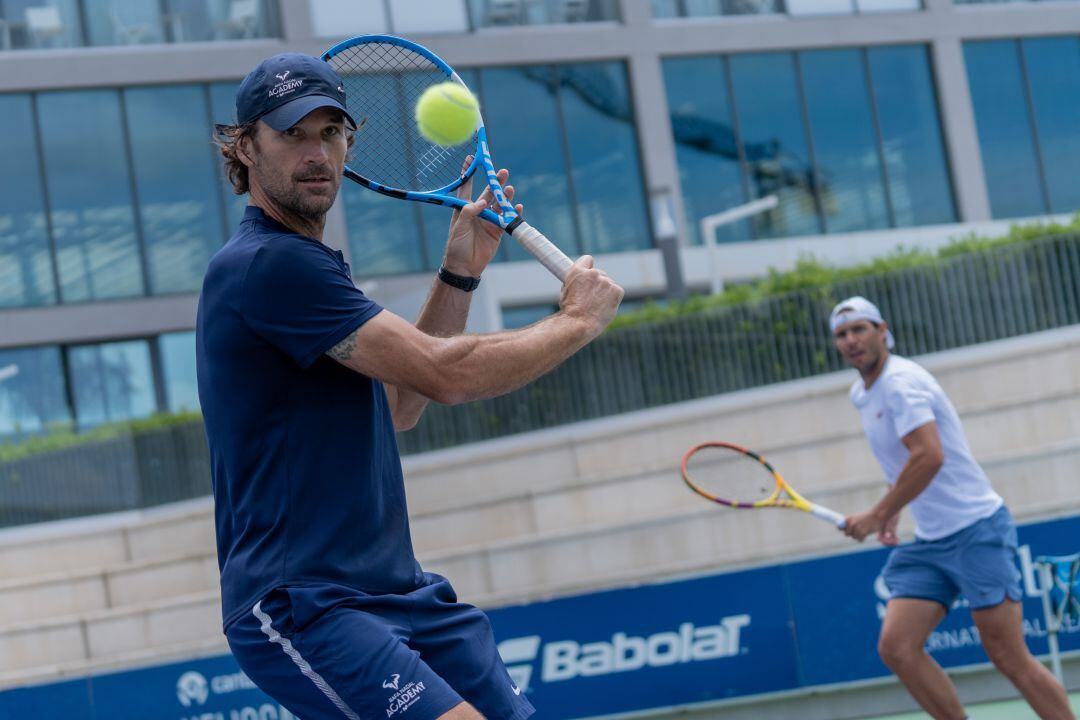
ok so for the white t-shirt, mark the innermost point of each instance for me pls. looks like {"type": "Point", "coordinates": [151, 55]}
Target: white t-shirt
{"type": "Point", "coordinates": [905, 397]}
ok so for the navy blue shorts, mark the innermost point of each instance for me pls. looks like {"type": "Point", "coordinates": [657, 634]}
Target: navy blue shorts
{"type": "Point", "coordinates": [327, 651]}
{"type": "Point", "coordinates": [978, 562]}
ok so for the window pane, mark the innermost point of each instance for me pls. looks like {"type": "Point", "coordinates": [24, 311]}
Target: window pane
{"type": "Point", "coordinates": [1053, 68]}
{"type": "Point", "coordinates": [111, 382]}
{"type": "Point", "coordinates": [845, 144]}
{"type": "Point", "coordinates": [872, 6]}
{"type": "Point", "coordinates": [706, 147]}
{"type": "Point", "coordinates": [820, 7]}
{"type": "Point", "coordinates": [31, 392]}
{"type": "Point", "coordinates": [342, 18]}
{"type": "Point", "coordinates": [39, 24]}
{"type": "Point", "coordinates": [502, 13]}
{"type": "Point", "coordinates": [90, 194]}
{"type": "Point", "coordinates": [774, 134]}
{"type": "Point", "coordinates": [1001, 115]}
{"type": "Point", "coordinates": [223, 110]}
{"type": "Point", "coordinates": [608, 186]}
{"type": "Point", "coordinates": [25, 260]}
{"type": "Point", "coordinates": [123, 22]}
{"type": "Point", "coordinates": [529, 145]}
{"type": "Point", "coordinates": [174, 175]}
{"type": "Point", "coordinates": [178, 367]}
{"type": "Point", "coordinates": [204, 20]}
{"type": "Point", "coordinates": [919, 183]}
{"type": "Point", "coordinates": [423, 16]}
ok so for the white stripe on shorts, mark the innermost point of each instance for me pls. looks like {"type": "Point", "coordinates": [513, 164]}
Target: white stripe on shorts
{"type": "Point", "coordinates": [275, 637]}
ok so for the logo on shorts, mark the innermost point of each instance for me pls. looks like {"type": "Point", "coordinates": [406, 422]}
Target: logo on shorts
{"type": "Point", "coordinates": [519, 654]}
{"type": "Point", "coordinates": [192, 688]}
{"type": "Point", "coordinates": [404, 695]}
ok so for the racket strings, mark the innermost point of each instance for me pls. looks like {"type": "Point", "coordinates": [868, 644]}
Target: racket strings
{"type": "Point", "coordinates": [730, 475]}
{"type": "Point", "coordinates": [383, 83]}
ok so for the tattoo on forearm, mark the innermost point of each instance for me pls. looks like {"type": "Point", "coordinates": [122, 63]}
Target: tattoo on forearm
{"type": "Point", "coordinates": [344, 349]}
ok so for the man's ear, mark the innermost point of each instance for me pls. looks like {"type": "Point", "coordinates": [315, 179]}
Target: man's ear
{"type": "Point", "coordinates": [245, 146]}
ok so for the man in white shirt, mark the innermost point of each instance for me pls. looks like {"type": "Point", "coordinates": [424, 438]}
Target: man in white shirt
{"type": "Point", "coordinates": [965, 539]}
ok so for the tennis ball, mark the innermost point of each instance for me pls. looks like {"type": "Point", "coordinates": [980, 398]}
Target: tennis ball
{"type": "Point", "coordinates": [446, 114]}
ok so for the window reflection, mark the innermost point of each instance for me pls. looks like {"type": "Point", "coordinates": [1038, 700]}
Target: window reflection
{"type": "Point", "coordinates": [93, 221]}
{"type": "Point", "coordinates": [26, 270]}
{"type": "Point", "coordinates": [32, 399]}
{"type": "Point", "coordinates": [39, 24]}
{"type": "Point", "coordinates": [1053, 70]}
{"type": "Point", "coordinates": [774, 133]}
{"type": "Point", "coordinates": [919, 185]}
{"type": "Point", "coordinates": [706, 145]}
{"type": "Point", "coordinates": [502, 13]}
{"type": "Point", "coordinates": [595, 102]}
{"type": "Point", "coordinates": [1004, 127]}
{"type": "Point", "coordinates": [179, 208]}
{"type": "Point", "coordinates": [863, 107]}
{"type": "Point", "coordinates": [178, 371]}
{"type": "Point", "coordinates": [538, 164]}
{"type": "Point", "coordinates": [845, 141]}
{"type": "Point", "coordinates": [111, 382]}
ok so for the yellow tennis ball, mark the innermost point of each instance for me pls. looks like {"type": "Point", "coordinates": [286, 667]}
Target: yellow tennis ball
{"type": "Point", "coordinates": [446, 114]}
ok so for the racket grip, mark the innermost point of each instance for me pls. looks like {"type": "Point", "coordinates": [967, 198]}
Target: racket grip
{"type": "Point", "coordinates": [828, 515]}
{"type": "Point", "coordinates": [542, 249]}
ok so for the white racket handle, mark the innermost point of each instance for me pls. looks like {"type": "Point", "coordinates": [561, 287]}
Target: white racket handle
{"type": "Point", "coordinates": [828, 515]}
{"type": "Point", "coordinates": [542, 249]}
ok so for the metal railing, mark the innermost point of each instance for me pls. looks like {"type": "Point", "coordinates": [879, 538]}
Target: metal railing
{"type": "Point", "coordinates": [963, 300]}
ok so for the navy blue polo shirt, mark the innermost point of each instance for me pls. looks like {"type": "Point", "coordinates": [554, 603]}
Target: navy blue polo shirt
{"type": "Point", "coordinates": [306, 473]}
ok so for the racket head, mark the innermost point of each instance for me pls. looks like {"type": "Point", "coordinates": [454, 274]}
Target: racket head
{"type": "Point", "coordinates": [731, 475]}
{"type": "Point", "coordinates": [384, 76]}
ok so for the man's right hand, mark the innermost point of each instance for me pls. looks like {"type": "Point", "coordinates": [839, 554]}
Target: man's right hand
{"type": "Point", "coordinates": [589, 294]}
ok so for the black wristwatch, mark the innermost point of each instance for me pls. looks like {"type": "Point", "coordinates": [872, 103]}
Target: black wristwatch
{"type": "Point", "coordinates": [461, 282]}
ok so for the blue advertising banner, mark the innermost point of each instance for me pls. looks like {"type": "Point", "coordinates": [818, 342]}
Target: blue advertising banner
{"type": "Point", "coordinates": [781, 627]}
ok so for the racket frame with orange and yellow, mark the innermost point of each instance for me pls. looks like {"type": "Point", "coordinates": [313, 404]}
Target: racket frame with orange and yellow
{"type": "Point", "coordinates": [782, 496]}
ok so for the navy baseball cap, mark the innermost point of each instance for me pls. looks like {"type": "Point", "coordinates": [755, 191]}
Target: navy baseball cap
{"type": "Point", "coordinates": [284, 88]}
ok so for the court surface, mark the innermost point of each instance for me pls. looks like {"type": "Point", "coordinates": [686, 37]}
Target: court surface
{"type": "Point", "coordinates": [1004, 710]}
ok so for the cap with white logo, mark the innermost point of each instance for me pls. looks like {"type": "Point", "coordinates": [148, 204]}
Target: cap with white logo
{"type": "Point", "coordinates": [858, 308]}
{"type": "Point", "coordinates": [284, 88]}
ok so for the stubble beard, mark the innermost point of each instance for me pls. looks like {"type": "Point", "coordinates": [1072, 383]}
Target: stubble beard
{"type": "Point", "coordinates": [285, 193]}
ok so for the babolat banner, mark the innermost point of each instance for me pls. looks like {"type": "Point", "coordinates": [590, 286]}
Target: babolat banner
{"type": "Point", "coordinates": [705, 639]}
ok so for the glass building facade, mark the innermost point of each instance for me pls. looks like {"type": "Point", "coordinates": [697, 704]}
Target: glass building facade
{"type": "Point", "coordinates": [839, 119]}
{"type": "Point", "coordinates": [1026, 95]}
{"type": "Point", "coordinates": [56, 387]}
{"type": "Point", "coordinates": [137, 212]}
{"type": "Point", "coordinates": [846, 139]}
{"type": "Point", "coordinates": [52, 24]}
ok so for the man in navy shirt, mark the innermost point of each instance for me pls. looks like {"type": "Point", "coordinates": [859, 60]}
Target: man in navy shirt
{"type": "Point", "coordinates": [303, 381]}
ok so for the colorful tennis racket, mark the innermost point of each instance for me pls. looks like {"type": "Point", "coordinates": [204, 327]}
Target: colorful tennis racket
{"type": "Point", "coordinates": [731, 475]}
{"type": "Point", "coordinates": [384, 77]}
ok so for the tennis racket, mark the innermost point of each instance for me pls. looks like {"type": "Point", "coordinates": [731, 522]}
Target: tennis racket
{"type": "Point", "coordinates": [384, 77]}
{"type": "Point", "coordinates": [731, 475]}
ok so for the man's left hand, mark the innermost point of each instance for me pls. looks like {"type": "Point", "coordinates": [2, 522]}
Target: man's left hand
{"type": "Point", "coordinates": [473, 242]}
{"type": "Point", "coordinates": [861, 525]}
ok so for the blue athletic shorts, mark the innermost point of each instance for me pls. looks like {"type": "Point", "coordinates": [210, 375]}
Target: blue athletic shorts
{"type": "Point", "coordinates": [327, 651]}
{"type": "Point", "coordinates": [978, 561]}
